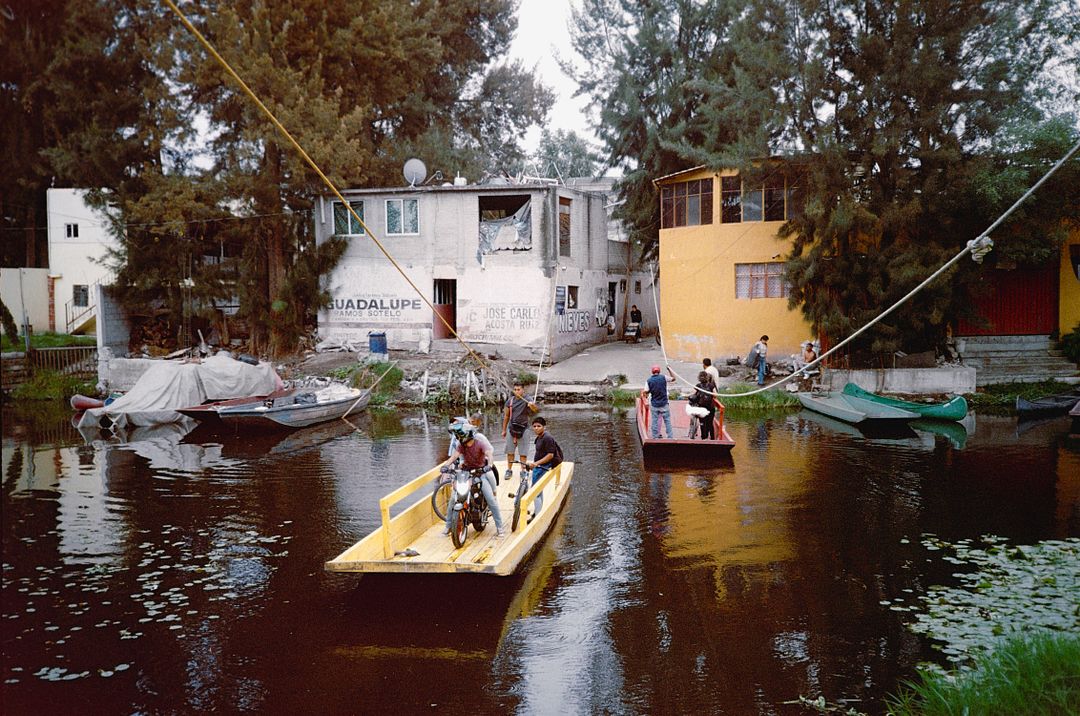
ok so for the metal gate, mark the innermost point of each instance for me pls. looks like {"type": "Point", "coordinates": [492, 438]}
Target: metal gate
{"type": "Point", "coordinates": [445, 300]}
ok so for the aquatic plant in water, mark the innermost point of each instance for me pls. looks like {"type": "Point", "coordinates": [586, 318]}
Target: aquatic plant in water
{"type": "Point", "coordinates": [1012, 590]}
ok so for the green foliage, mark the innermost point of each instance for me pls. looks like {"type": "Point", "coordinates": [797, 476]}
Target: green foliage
{"type": "Point", "coordinates": [1004, 395]}
{"type": "Point", "coordinates": [438, 399]}
{"type": "Point", "coordinates": [364, 377]}
{"type": "Point", "coordinates": [1070, 344]}
{"type": "Point", "coordinates": [7, 322]}
{"type": "Point", "coordinates": [1036, 675]}
{"type": "Point", "coordinates": [525, 377]}
{"type": "Point", "coordinates": [623, 397]}
{"type": "Point", "coordinates": [50, 385]}
{"type": "Point", "coordinates": [563, 154]}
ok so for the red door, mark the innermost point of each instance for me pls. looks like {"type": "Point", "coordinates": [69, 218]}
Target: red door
{"type": "Point", "coordinates": [1019, 302]}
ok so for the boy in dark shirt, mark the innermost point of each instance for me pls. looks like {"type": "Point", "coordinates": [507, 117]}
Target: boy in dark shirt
{"type": "Point", "coordinates": [546, 455]}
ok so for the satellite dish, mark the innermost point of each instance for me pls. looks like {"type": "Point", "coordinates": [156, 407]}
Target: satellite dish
{"type": "Point", "coordinates": [415, 172]}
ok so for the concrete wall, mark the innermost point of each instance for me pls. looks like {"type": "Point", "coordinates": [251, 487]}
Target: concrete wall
{"type": "Point", "coordinates": [27, 287]}
{"type": "Point", "coordinates": [502, 297]}
{"type": "Point", "coordinates": [1069, 293]}
{"type": "Point", "coordinates": [701, 315]}
{"type": "Point", "coordinates": [957, 380]}
{"type": "Point", "coordinates": [74, 261]}
{"type": "Point", "coordinates": [113, 327]}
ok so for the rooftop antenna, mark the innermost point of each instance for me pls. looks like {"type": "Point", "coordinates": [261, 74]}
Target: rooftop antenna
{"type": "Point", "coordinates": [415, 171]}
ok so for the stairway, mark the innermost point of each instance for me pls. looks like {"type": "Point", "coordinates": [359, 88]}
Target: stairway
{"type": "Point", "coordinates": [1015, 359]}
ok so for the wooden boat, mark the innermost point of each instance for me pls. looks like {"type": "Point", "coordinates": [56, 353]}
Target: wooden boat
{"type": "Point", "coordinates": [1044, 407]}
{"type": "Point", "coordinates": [681, 447]}
{"type": "Point", "coordinates": [954, 409]}
{"type": "Point", "coordinates": [81, 402]}
{"type": "Point", "coordinates": [207, 413]}
{"type": "Point", "coordinates": [413, 541]}
{"type": "Point", "coordinates": [297, 410]}
{"type": "Point", "coordinates": [851, 409]}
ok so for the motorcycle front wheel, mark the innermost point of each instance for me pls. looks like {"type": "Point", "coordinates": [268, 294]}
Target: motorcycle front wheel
{"type": "Point", "coordinates": [459, 527]}
{"type": "Point", "coordinates": [479, 522]}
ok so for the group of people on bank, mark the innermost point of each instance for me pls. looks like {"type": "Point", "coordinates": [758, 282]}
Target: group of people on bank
{"type": "Point", "coordinates": [472, 450]}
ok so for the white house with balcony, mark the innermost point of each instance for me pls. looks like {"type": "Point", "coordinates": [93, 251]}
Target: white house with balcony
{"type": "Point", "coordinates": [527, 264]}
{"type": "Point", "coordinates": [79, 241]}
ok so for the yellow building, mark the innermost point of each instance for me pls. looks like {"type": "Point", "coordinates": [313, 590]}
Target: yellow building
{"type": "Point", "coordinates": [1069, 284]}
{"type": "Point", "coordinates": [722, 264]}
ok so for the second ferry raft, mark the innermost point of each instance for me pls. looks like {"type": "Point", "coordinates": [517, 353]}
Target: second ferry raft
{"type": "Point", "coordinates": [413, 542]}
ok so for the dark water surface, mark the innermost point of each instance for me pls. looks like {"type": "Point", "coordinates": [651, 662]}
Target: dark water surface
{"type": "Point", "coordinates": [161, 576]}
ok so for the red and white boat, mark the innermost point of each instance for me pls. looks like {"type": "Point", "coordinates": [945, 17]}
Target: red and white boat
{"type": "Point", "coordinates": [681, 447]}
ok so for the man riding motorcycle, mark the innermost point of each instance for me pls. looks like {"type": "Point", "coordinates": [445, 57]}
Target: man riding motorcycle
{"type": "Point", "coordinates": [475, 451]}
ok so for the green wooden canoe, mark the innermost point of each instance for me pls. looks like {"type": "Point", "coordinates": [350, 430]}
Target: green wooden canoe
{"type": "Point", "coordinates": [954, 409]}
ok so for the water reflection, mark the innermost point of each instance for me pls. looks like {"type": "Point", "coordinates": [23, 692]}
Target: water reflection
{"type": "Point", "coordinates": [184, 568]}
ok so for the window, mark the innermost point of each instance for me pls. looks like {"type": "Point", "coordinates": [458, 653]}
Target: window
{"type": "Point", "coordinates": [730, 200]}
{"type": "Point", "coordinates": [564, 226]}
{"type": "Point", "coordinates": [774, 197]}
{"type": "Point", "coordinates": [751, 199]}
{"type": "Point", "coordinates": [687, 203]}
{"type": "Point", "coordinates": [72, 231]}
{"type": "Point", "coordinates": [571, 297]}
{"type": "Point", "coordinates": [345, 224]}
{"type": "Point", "coordinates": [637, 286]}
{"type": "Point", "coordinates": [761, 281]}
{"type": "Point", "coordinates": [80, 295]}
{"type": "Point", "coordinates": [402, 216]}
{"type": "Point", "coordinates": [796, 196]}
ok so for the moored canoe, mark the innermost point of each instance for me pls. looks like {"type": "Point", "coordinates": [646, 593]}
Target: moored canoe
{"type": "Point", "coordinates": [954, 409]}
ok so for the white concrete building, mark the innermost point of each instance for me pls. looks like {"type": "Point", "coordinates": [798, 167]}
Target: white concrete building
{"type": "Point", "coordinates": [528, 265]}
{"type": "Point", "coordinates": [78, 242]}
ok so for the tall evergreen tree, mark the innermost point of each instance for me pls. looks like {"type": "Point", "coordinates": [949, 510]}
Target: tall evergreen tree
{"type": "Point", "coordinates": [360, 84]}
{"type": "Point", "coordinates": [643, 63]}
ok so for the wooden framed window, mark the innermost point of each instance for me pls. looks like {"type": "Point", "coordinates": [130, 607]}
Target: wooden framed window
{"type": "Point", "coordinates": [730, 200]}
{"type": "Point", "coordinates": [774, 197]}
{"type": "Point", "coordinates": [687, 203]}
{"type": "Point", "coordinates": [796, 196]}
{"type": "Point", "coordinates": [764, 280]}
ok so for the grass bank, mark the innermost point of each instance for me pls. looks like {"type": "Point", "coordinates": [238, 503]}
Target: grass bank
{"type": "Point", "coordinates": [1037, 674]}
{"type": "Point", "coordinates": [364, 375]}
{"type": "Point", "coordinates": [48, 339]}
{"type": "Point", "coordinates": [766, 400]}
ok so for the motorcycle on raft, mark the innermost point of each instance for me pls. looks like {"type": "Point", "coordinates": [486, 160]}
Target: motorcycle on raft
{"type": "Point", "coordinates": [464, 499]}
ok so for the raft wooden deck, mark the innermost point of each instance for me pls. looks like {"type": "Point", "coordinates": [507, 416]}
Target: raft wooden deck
{"type": "Point", "coordinates": [418, 529]}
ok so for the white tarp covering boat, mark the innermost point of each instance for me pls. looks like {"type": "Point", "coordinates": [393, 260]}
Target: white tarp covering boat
{"type": "Point", "coordinates": [167, 386]}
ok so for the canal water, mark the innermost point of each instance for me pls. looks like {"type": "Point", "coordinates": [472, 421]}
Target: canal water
{"type": "Point", "coordinates": [169, 574]}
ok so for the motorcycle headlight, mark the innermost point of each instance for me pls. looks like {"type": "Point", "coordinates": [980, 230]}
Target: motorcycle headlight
{"type": "Point", "coordinates": [462, 488]}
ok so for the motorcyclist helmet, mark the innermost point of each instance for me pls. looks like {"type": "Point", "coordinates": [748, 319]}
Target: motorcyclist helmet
{"type": "Point", "coordinates": [463, 430]}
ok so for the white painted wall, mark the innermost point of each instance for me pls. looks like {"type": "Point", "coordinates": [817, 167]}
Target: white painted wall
{"type": "Point", "coordinates": [74, 259]}
{"type": "Point", "coordinates": [27, 287]}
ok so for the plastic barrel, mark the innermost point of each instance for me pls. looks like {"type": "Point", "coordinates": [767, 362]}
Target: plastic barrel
{"type": "Point", "coordinates": [377, 341]}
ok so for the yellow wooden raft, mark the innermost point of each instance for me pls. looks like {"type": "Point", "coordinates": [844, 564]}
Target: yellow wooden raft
{"type": "Point", "coordinates": [418, 529]}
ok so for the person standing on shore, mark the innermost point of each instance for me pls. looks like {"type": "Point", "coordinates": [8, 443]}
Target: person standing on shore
{"type": "Point", "coordinates": [758, 359]}
{"type": "Point", "coordinates": [711, 370]}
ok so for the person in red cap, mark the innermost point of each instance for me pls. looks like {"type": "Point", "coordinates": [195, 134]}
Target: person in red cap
{"type": "Point", "coordinates": [658, 399]}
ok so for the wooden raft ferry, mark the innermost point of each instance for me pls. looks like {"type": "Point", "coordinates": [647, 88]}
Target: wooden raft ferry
{"type": "Point", "coordinates": [681, 448]}
{"type": "Point", "coordinates": [413, 540]}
